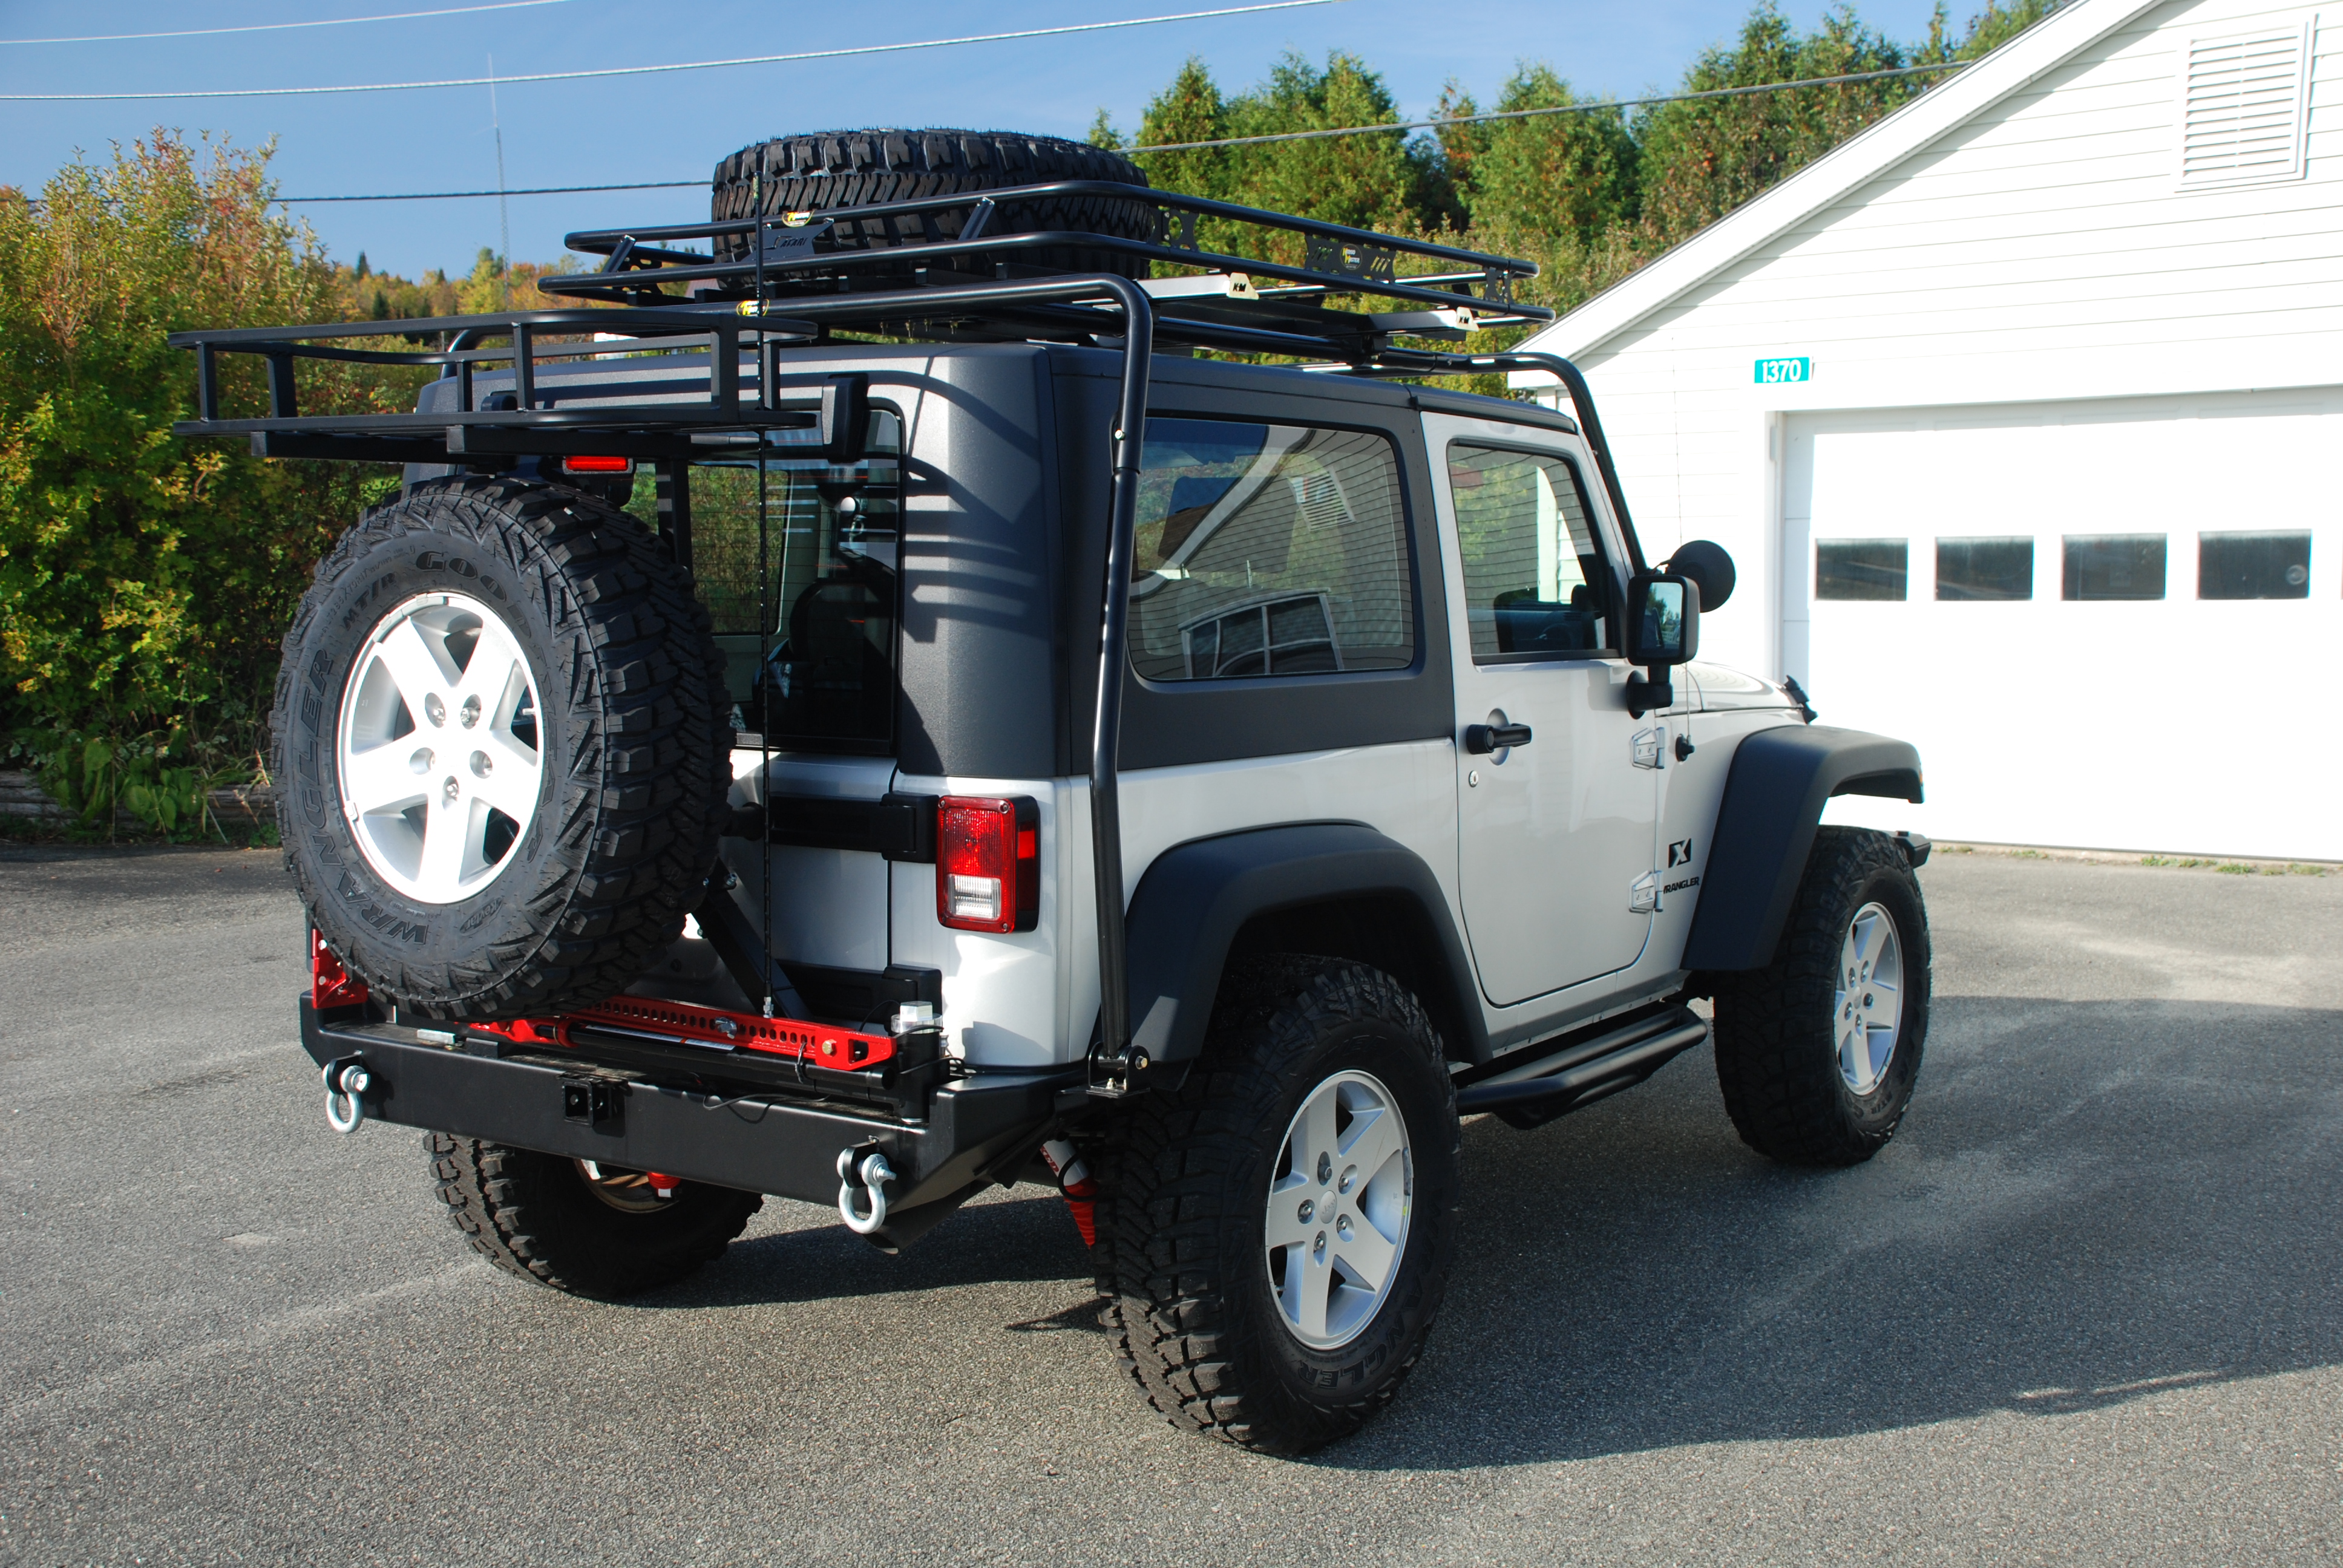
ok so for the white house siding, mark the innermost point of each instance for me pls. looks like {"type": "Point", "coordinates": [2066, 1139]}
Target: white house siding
{"type": "Point", "coordinates": [1994, 320]}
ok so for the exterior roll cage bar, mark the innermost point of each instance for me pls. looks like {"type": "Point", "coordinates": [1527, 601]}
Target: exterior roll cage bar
{"type": "Point", "coordinates": [798, 297]}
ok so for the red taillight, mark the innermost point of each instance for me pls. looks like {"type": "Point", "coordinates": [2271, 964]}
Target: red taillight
{"type": "Point", "coordinates": [598, 464]}
{"type": "Point", "coordinates": [330, 984]}
{"type": "Point", "coordinates": [987, 864]}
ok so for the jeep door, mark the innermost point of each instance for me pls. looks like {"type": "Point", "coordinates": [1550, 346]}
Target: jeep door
{"type": "Point", "coordinates": [1556, 833]}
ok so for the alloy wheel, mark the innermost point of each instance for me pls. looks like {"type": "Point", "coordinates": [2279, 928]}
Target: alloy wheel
{"type": "Point", "coordinates": [1339, 1197]}
{"type": "Point", "coordinates": [440, 764]}
{"type": "Point", "coordinates": [1867, 1006]}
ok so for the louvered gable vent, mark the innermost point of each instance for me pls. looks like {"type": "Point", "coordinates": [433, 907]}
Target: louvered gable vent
{"type": "Point", "coordinates": [2243, 104]}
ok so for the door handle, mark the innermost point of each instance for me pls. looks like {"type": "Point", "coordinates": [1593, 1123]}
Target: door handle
{"type": "Point", "coordinates": [1481, 739]}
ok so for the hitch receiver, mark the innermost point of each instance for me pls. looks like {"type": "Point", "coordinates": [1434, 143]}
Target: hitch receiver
{"type": "Point", "coordinates": [592, 1102]}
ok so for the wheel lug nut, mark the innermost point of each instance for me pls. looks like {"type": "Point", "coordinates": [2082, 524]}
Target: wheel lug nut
{"type": "Point", "coordinates": [1308, 1208]}
{"type": "Point", "coordinates": [1325, 1168]}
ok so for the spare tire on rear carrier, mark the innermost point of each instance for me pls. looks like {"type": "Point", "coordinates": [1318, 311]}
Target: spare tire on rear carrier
{"type": "Point", "coordinates": [502, 747]}
{"type": "Point", "coordinates": [814, 174]}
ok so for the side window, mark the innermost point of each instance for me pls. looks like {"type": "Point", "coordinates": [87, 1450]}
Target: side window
{"type": "Point", "coordinates": [830, 598]}
{"type": "Point", "coordinates": [1267, 549]}
{"type": "Point", "coordinates": [1533, 571]}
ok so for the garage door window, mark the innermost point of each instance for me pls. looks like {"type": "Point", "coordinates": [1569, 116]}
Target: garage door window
{"type": "Point", "coordinates": [2253, 565]}
{"type": "Point", "coordinates": [2113, 566]}
{"type": "Point", "coordinates": [1861, 569]}
{"type": "Point", "coordinates": [1985, 568]}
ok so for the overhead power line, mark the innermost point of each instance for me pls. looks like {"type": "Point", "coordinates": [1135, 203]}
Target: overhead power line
{"type": "Point", "coordinates": [281, 26]}
{"type": "Point", "coordinates": [656, 70]}
{"type": "Point", "coordinates": [1232, 141]}
{"type": "Point", "coordinates": [1555, 109]}
{"type": "Point", "coordinates": [466, 196]}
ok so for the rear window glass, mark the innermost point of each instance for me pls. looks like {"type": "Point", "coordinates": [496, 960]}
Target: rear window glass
{"type": "Point", "coordinates": [824, 621]}
{"type": "Point", "coordinates": [1267, 549]}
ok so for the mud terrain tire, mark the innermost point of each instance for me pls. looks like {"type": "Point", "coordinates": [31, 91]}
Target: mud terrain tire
{"type": "Point", "coordinates": [539, 1216]}
{"type": "Point", "coordinates": [1187, 1185]}
{"type": "Point", "coordinates": [1776, 1040]}
{"type": "Point", "coordinates": [854, 168]}
{"type": "Point", "coordinates": [631, 743]}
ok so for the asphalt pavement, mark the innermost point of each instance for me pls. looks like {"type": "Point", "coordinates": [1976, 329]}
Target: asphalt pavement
{"type": "Point", "coordinates": [2088, 1306]}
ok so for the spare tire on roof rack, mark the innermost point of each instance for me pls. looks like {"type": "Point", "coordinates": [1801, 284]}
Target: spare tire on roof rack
{"type": "Point", "coordinates": [812, 173]}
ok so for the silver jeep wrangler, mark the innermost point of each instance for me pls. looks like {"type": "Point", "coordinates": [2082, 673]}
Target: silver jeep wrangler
{"type": "Point", "coordinates": [911, 701]}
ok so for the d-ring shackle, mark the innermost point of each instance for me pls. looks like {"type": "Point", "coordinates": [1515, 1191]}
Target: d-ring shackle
{"type": "Point", "coordinates": [346, 1082]}
{"type": "Point", "coordinates": [871, 1176]}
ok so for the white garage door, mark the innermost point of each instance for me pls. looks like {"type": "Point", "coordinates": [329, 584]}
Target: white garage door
{"type": "Point", "coordinates": [2107, 625]}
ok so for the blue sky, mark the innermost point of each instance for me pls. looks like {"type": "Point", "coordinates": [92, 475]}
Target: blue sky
{"type": "Point", "coordinates": [676, 127]}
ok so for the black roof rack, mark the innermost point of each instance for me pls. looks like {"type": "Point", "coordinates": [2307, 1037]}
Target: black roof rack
{"type": "Point", "coordinates": [794, 255]}
{"type": "Point", "coordinates": [798, 282]}
{"type": "Point", "coordinates": [796, 296]}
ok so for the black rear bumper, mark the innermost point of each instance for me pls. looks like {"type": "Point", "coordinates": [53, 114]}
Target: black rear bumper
{"type": "Point", "coordinates": [978, 1128]}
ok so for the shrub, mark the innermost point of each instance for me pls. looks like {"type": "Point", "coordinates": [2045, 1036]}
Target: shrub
{"type": "Point", "coordinates": [144, 580]}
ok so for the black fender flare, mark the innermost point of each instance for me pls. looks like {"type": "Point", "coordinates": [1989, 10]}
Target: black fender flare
{"type": "Point", "coordinates": [1774, 798]}
{"type": "Point", "coordinates": [1197, 896]}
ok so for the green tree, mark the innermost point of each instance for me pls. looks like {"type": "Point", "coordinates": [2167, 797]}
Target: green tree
{"type": "Point", "coordinates": [1381, 181]}
{"type": "Point", "coordinates": [144, 580]}
{"type": "Point", "coordinates": [1701, 159]}
{"type": "Point", "coordinates": [1997, 25]}
{"type": "Point", "coordinates": [1572, 174]}
{"type": "Point", "coordinates": [1189, 109]}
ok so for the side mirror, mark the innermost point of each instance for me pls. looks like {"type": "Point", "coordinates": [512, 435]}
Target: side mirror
{"type": "Point", "coordinates": [1707, 565]}
{"type": "Point", "coordinates": [1663, 632]}
{"type": "Point", "coordinates": [1663, 620]}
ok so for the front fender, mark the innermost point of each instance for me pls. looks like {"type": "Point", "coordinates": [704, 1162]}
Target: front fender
{"type": "Point", "coordinates": [1196, 898]}
{"type": "Point", "coordinates": [1774, 798]}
